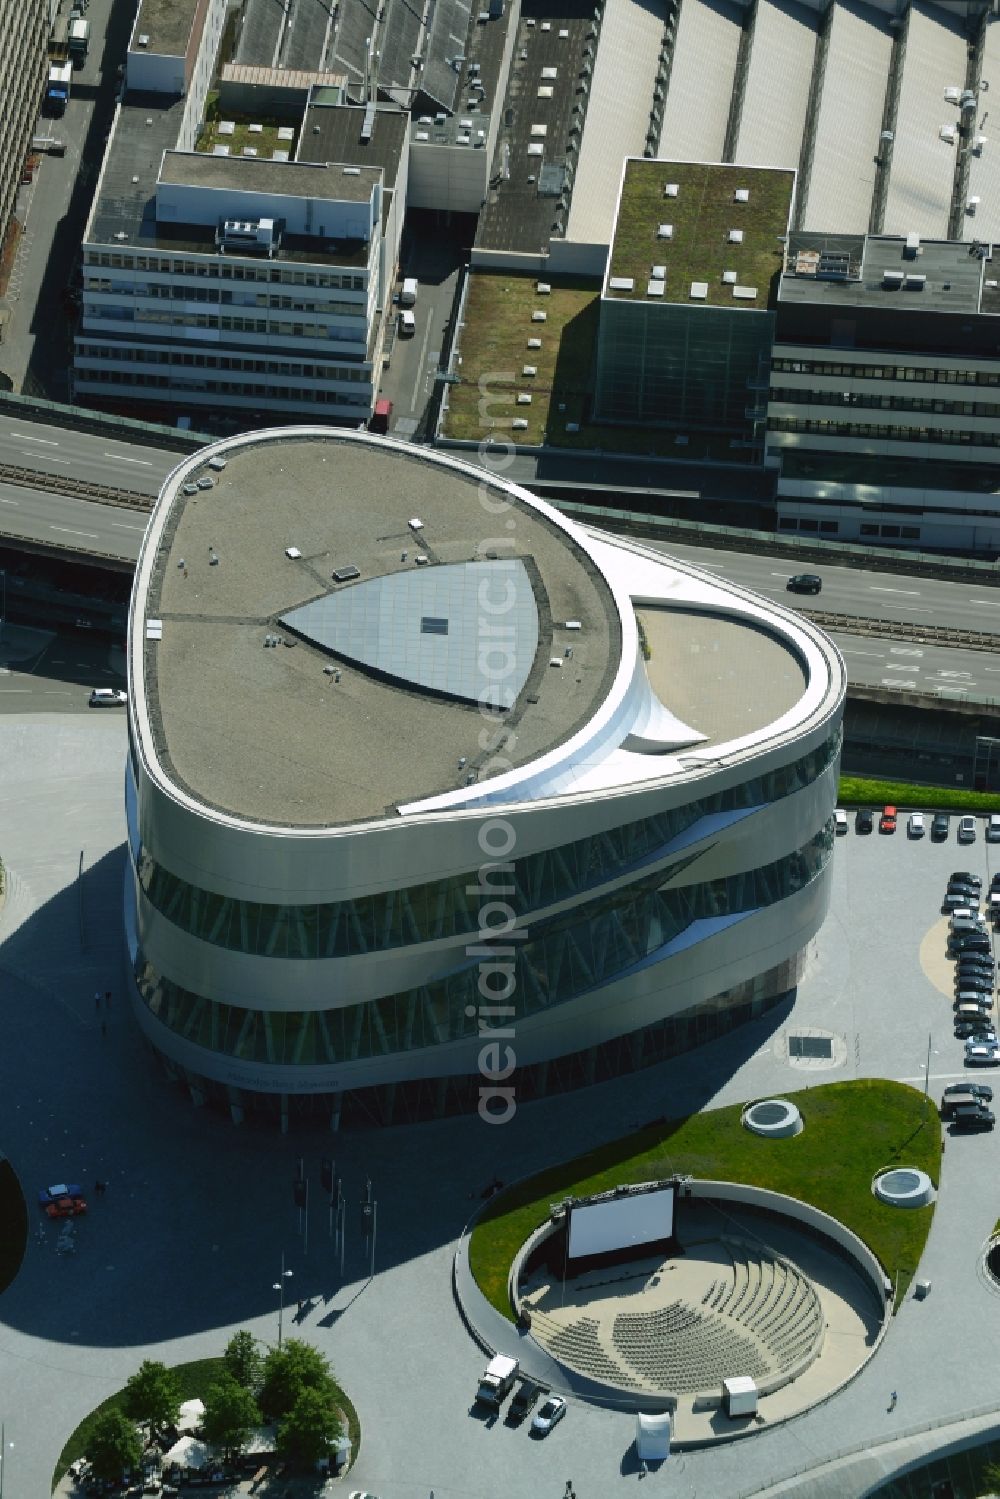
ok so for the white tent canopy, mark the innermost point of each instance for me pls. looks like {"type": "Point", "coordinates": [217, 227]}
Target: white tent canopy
{"type": "Point", "coordinates": [191, 1414]}
{"type": "Point", "coordinates": [188, 1452]}
{"type": "Point", "coordinates": [652, 1436]}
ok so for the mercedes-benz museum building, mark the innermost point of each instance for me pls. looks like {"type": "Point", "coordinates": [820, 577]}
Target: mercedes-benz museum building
{"type": "Point", "coordinates": [438, 801]}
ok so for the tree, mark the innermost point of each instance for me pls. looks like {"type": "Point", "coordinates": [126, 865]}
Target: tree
{"type": "Point", "coordinates": [242, 1359]}
{"type": "Point", "coordinates": [290, 1370]}
{"type": "Point", "coordinates": [230, 1413]}
{"type": "Point", "coordinates": [310, 1428]}
{"type": "Point", "coordinates": [152, 1395]}
{"type": "Point", "coordinates": [114, 1444]}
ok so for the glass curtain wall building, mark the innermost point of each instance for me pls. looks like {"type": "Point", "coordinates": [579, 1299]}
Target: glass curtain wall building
{"type": "Point", "coordinates": [451, 839]}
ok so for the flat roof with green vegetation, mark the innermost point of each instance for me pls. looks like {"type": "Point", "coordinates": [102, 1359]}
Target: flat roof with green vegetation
{"type": "Point", "coordinates": [856, 791]}
{"type": "Point", "coordinates": [700, 216]}
{"type": "Point", "coordinates": [852, 1130]}
{"type": "Point", "coordinates": [494, 351]}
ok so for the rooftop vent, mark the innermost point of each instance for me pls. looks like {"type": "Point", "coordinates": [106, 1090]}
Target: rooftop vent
{"type": "Point", "coordinates": [729, 277]}
{"type": "Point", "coordinates": [143, 40]}
{"type": "Point", "coordinates": [670, 190]}
{"type": "Point", "coordinates": [346, 573]}
{"type": "Point", "coordinates": [891, 280]}
{"type": "Point", "coordinates": [952, 94]}
{"type": "Point", "coordinates": [699, 291]}
{"type": "Point", "coordinates": [293, 552]}
{"type": "Point", "coordinates": [665, 231]}
{"type": "Point", "coordinates": [352, 171]}
{"type": "Point", "coordinates": [415, 523]}
{"type": "Point", "coordinates": [914, 282]}
{"type": "Point", "coordinates": [735, 236]}
{"type": "Point", "coordinates": [741, 195]}
{"type": "Point", "coordinates": [621, 283]}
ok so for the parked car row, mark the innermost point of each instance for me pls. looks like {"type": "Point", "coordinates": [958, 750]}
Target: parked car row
{"type": "Point", "coordinates": [916, 824]}
{"type": "Point", "coordinates": [965, 1106]}
{"type": "Point", "coordinates": [971, 948]}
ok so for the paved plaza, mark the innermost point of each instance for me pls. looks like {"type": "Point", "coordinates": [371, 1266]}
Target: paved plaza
{"type": "Point", "coordinates": [186, 1243]}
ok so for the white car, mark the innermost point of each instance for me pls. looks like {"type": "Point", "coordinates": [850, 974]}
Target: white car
{"type": "Point", "coordinates": [993, 828]}
{"type": "Point", "coordinates": [108, 697]}
{"type": "Point", "coordinates": [965, 916]}
{"type": "Point", "coordinates": [552, 1409]}
{"type": "Point", "coordinates": [982, 1056]}
{"type": "Point", "coordinates": [407, 325]}
{"type": "Point", "coordinates": [967, 830]}
{"type": "Point", "coordinates": [840, 821]}
{"type": "Point", "coordinates": [915, 825]}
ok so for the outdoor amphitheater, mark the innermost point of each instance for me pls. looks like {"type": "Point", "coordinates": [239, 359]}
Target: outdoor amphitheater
{"type": "Point", "coordinates": [738, 1292]}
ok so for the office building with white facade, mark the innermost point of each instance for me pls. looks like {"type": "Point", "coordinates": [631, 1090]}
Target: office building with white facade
{"type": "Point", "coordinates": [237, 265]}
{"type": "Point", "coordinates": [433, 794]}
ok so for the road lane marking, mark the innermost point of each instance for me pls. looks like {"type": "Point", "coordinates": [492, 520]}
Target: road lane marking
{"type": "Point", "coordinates": [912, 592]}
{"type": "Point", "coordinates": [26, 437]}
{"type": "Point", "coordinates": [146, 462]}
{"type": "Point", "coordinates": [905, 650]}
{"type": "Point", "coordinates": [897, 682]}
{"type": "Point", "coordinates": [52, 457]}
{"type": "Point", "coordinates": [9, 502]}
{"type": "Point", "coordinates": [849, 650]}
{"type": "Point", "coordinates": [92, 535]}
{"type": "Point", "coordinates": [993, 603]}
{"type": "Point", "coordinates": [121, 526]}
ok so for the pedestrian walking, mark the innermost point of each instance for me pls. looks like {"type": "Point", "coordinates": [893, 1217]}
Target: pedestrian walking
{"type": "Point", "coordinates": [107, 999]}
{"type": "Point", "coordinates": [892, 1400]}
{"type": "Point", "coordinates": [97, 999]}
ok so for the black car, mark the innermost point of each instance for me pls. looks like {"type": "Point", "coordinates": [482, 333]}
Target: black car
{"type": "Point", "coordinates": [964, 942]}
{"type": "Point", "coordinates": [864, 820]}
{"type": "Point", "coordinates": [804, 583]}
{"type": "Point", "coordinates": [975, 1030]}
{"type": "Point", "coordinates": [965, 877]}
{"type": "Point", "coordinates": [525, 1396]}
{"type": "Point", "coordinates": [974, 973]}
{"type": "Point", "coordinates": [972, 1116]}
{"type": "Point", "coordinates": [940, 825]}
{"type": "Point", "coordinates": [982, 1091]}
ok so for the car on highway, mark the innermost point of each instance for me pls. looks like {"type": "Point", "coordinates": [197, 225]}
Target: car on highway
{"type": "Point", "coordinates": [993, 828]}
{"type": "Point", "coordinates": [108, 697]}
{"type": "Point", "coordinates": [966, 830]}
{"type": "Point", "coordinates": [864, 820]}
{"type": "Point", "coordinates": [940, 827]}
{"type": "Point", "coordinates": [965, 877]}
{"type": "Point", "coordinates": [915, 825]}
{"type": "Point", "coordinates": [48, 1195]}
{"type": "Point", "coordinates": [552, 1409]}
{"type": "Point", "coordinates": [982, 1091]}
{"type": "Point", "coordinates": [978, 1055]}
{"type": "Point", "coordinates": [840, 821]}
{"type": "Point", "coordinates": [887, 821]}
{"type": "Point", "coordinates": [804, 583]}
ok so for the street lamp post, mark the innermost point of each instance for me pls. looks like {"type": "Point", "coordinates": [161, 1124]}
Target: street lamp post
{"type": "Point", "coordinates": [279, 1286]}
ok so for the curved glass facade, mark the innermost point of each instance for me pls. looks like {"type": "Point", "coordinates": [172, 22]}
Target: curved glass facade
{"type": "Point", "coordinates": [448, 908]}
{"type": "Point", "coordinates": [563, 958]}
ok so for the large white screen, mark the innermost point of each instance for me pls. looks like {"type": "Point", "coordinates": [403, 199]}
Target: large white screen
{"type": "Point", "coordinates": [621, 1223]}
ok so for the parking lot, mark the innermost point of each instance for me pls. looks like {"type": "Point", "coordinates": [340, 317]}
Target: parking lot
{"type": "Point", "coordinates": [184, 1247]}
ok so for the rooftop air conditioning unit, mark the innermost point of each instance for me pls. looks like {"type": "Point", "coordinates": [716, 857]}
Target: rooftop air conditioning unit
{"type": "Point", "coordinates": [142, 41]}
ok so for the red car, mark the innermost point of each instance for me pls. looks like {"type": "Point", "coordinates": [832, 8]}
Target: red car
{"type": "Point", "coordinates": [887, 822]}
{"type": "Point", "coordinates": [65, 1207]}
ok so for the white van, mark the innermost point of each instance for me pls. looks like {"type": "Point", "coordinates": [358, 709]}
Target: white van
{"type": "Point", "coordinates": [408, 296]}
{"type": "Point", "coordinates": [407, 325]}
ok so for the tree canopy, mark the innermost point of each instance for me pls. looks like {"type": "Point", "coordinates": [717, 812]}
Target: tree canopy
{"type": "Point", "coordinates": [114, 1444]}
{"type": "Point", "coordinates": [152, 1395]}
{"type": "Point", "coordinates": [242, 1359]}
{"type": "Point", "coordinates": [230, 1414]}
{"type": "Point", "coordinates": [309, 1428]}
{"type": "Point", "coordinates": [289, 1370]}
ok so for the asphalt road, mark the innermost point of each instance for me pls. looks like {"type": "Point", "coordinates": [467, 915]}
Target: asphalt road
{"type": "Point", "coordinates": [45, 671]}
{"type": "Point", "coordinates": [96, 459]}
{"type": "Point", "coordinates": [62, 520]}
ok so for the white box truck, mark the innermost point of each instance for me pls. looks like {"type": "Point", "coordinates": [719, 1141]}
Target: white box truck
{"type": "Point", "coordinates": [498, 1380]}
{"type": "Point", "coordinates": [408, 296]}
{"type": "Point", "coordinates": [79, 39]}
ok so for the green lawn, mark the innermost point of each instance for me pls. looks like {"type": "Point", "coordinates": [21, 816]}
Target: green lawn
{"type": "Point", "coordinates": [702, 215]}
{"type": "Point", "coordinates": [857, 791]}
{"type": "Point", "coordinates": [494, 351]}
{"type": "Point", "coordinates": [852, 1130]}
{"type": "Point", "coordinates": [194, 1379]}
{"type": "Point", "coordinates": [13, 1224]}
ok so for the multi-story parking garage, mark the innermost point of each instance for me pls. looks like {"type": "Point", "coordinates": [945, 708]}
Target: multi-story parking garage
{"type": "Point", "coordinates": [437, 800]}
